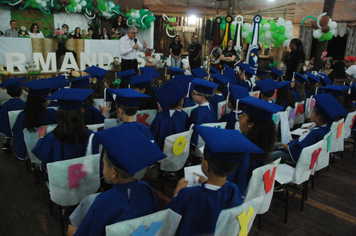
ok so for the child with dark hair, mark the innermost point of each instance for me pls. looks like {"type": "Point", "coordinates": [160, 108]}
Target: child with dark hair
{"type": "Point", "coordinates": [257, 125]}
{"type": "Point", "coordinates": [267, 88]}
{"type": "Point", "coordinates": [285, 97]}
{"type": "Point", "coordinates": [297, 87]}
{"type": "Point", "coordinates": [276, 74]}
{"type": "Point", "coordinates": [14, 89]}
{"type": "Point", "coordinates": [126, 152]}
{"type": "Point", "coordinates": [143, 84]}
{"type": "Point", "coordinates": [218, 95]}
{"type": "Point", "coordinates": [172, 119]}
{"type": "Point", "coordinates": [200, 206]}
{"type": "Point", "coordinates": [34, 115]}
{"type": "Point", "coordinates": [70, 138]}
{"type": "Point", "coordinates": [326, 107]}
{"type": "Point", "coordinates": [246, 73]}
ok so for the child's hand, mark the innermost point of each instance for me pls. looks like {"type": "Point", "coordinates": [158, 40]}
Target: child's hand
{"type": "Point", "coordinates": [182, 183]}
{"type": "Point", "coordinates": [104, 110]}
{"type": "Point", "coordinates": [43, 132]}
{"type": "Point", "coordinates": [202, 178]}
{"type": "Point", "coordinates": [285, 146]}
{"type": "Point", "coordinates": [71, 230]}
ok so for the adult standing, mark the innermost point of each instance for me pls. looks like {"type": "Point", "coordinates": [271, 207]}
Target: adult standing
{"type": "Point", "coordinates": [351, 67]}
{"type": "Point", "coordinates": [12, 32]}
{"type": "Point", "coordinates": [104, 33]}
{"type": "Point", "coordinates": [128, 46]}
{"type": "Point", "coordinates": [119, 25]}
{"type": "Point", "coordinates": [35, 31]}
{"type": "Point", "coordinates": [195, 51]}
{"type": "Point", "coordinates": [228, 56]}
{"type": "Point", "coordinates": [295, 59]}
{"type": "Point", "coordinates": [176, 51]}
{"type": "Point", "coordinates": [77, 34]}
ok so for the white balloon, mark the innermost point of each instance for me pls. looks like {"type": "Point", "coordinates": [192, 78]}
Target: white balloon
{"type": "Point", "coordinates": [78, 7]}
{"type": "Point", "coordinates": [266, 26]}
{"type": "Point", "coordinates": [317, 33]}
{"type": "Point", "coordinates": [83, 3]}
{"type": "Point", "coordinates": [280, 21]}
{"type": "Point", "coordinates": [289, 27]}
{"type": "Point", "coordinates": [245, 34]}
{"type": "Point", "coordinates": [262, 38]}
{"type": "Point", "coordinates": [268, 35]}
{"type": "Point", "coordinates": [332, 25]}
{"type": "Point", "coordinates": [43, 4]}
{"type": "Point", "coordinates": [169, 62]}
{"type": "Point", "coordinates": [286, 43]}
{"type": "Point", "coordinates": [76, 1]}
{"type": "Point", "coordinates": [111, 4]}
{"type": "Point", "coordinates": [248, 27]}
{"type": "Point", "coordinates": [38, 1]}
{"type": "Point", "coordinates": [289, 34]}
{"type": "Point", "coordinates": [288, 22]}
{"type": "Point", "coordinates": [268, 41]}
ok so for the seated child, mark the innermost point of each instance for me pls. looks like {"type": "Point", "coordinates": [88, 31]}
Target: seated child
{"type": "Point", "coordinates": [276, 74]}
{"type": "Point", "coordinates": [236, 92]}
{"type": "Point", "coordinates": [97, 80]}
{"type": "Point", "coordinates": [125, 153]}
{"type": "Point", "coordinates": [218, 95]}
{"type": "Point", "coordinates": [246, 73]}
{"type": "Point", "coordinates": [172, 119]}
{"type": "Point", "coordinates": [125, 77]}
{"type": "Point", "coordinates": [143, 84]}
{"type": "Point", "coordinates": [199, 73]}
{"type": "Point", "coordinates": [267, 88]}
{"type": "Point", "coordinates": [200, 206]}
{"type": "Point", "coordinates": [326, 107]}
{"type": "Point", "coordinates": [127, 102]}
{"type": "Point", "coordinates": [297, 87]}
{"type": "Point", "coordinates": [185, 82]}
{"type": "Point", "coordinates": [285, 97]}
{"type": "Point", "coordinates": [70, 138]}
{"type": "Point", "coordinates": [14, 89]}
{"type": "Point", "coordinates": [204, 113]}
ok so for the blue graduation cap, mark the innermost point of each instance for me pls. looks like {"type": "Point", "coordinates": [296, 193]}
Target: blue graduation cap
{"type": "Point", "coordinates": [213, 70]}
{"type": "Point", "coordinates": [128, 97]}
{"type": "Point", "coordinates": [243, 66]}
{"type": "Point", "coordinates": [141, 81]}
{"type": "Point", "coordinates": [261, 72]}
{"type": "Point", "coordinates": [80, 82]}
{"type": "Point", "coordinates": [325, 80]}
{"type": "Point", "coordinates": [126, 74]}
{"type": "Point", "coordinates": [284, 85]}
{"type": "Point", "coordinates": [329, 106]}
{"type": "Point", "coordinates": [204, 86]}
{"type": "Point", "coordinates": [149, 70]}
{"type": "Point", "coordinates": [334, 90]}
{"type": "Point", "coordinates": [128, 148]}
{"type": "Point", "coordinates": [199, 72]}
{"type": "Point", "coordinates": [59, 82]}
{"type": "Point", "coordinates": [249, 71]}
{"type": "Point", "coordinates": [220, 79]}
{"type": "Point", "coordinates": [353, 91]}
{"type": "Point", "coordinates": [260, 109]}
{"type": "Point", "coordinates": [230, 74]}
{"type": "Point", "coordinates": [70, 99]}
{"type": "Point", "coordinates": [40, 87]}
{"type": "Point", "coordinates": [97, 72]}
{"type": "Point", "coordinates": [301, 78]}
{"type": "Point", "coordinates": [226, 145]}
{"type": "Point", "coordinates": [313, 78]}
{"type": "Point", "coordinates": [175, 71]}
{"type": "Point", "coordinates": [267, 86]}
{"type": "Point", "coordinates": [184, 81]}
{"type": "Point", "coordinates": [238, 92]}
{"type": "Point", "coordinates": [275, 71]}
{"type": "Point", "coordinates": [170, 94]}
{"type": "Point", "coordinates": [13, 84]}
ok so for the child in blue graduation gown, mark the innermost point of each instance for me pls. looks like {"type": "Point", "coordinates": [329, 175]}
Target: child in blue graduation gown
{"type": "Point", "coordinates": [143, 84]}
{"type": "Point", "coordinates": [125, 153]}
{"type": "Point", "coordinates": [127, 102]}
{"type": "Point", "coordinates": [236, 92]}
{"type": "Point", "coordinates": [298, 87]}
{"type": "Point", "coordinates": [200, 206]}
{"type": "Point", "coordinates": [70, 138]}
{"type": "Point", "coordinates": [34, 115]}
{"type": "Point", "coordinates": [326, 107]}
{"type": "Point", "coordinates": [172, 119]}
{"type": "Point", "coordinates": [204, 113]}
{"type": "Point", "coordinates": [14, 89]}
{"type": "Point", "coordinates": [246, 73]}
{"type": "Point", "coordinates": [267, 87]}
{"type": "Point", "coordinates": [218, 96]}
{"type": "Point", "coordinates": [285, 97]}
{"type": "Point", "coordinates": [257, 125]}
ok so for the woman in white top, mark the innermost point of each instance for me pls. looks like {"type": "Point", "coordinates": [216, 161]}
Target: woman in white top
{"type": "Point", "coordinates": [35, 32]}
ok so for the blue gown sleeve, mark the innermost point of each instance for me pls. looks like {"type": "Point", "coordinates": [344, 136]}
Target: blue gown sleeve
{"type": "Point", "coordinates": [44, 150]}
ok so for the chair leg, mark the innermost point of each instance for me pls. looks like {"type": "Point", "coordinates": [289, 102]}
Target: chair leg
{"type": "Point", "coordinates": [312, 187]}
{"type": "Point", "coordinates": [353, 152]}
{"type": "Point", "coordinates": [50, 206]}
{"type": "Point", "coordinates": [61, 219]}
{"type": "Point", "coordinates": [162, 181]}
{"type": "Point", "coordinates": [286, 207]}
{"type": "Point", "coordinates": [259, 221]}
{"type": "Point", "coordinates": [317, 174]}
{"type": "Point", "coordinates": [306, 190]}
{"type": "Point", "coordinates": [303, 193]}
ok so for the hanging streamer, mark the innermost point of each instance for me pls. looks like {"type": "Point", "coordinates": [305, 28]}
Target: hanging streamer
{"type": "Point", "coordinates": [252, 55]}
{"type": "Point", "coordinates": [237, 40]}
{"type": "Point", "coordinates": [227, 34]}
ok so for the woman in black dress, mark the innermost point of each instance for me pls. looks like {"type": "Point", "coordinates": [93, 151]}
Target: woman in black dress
{"type": "Point", "coordinates": [295, 60]}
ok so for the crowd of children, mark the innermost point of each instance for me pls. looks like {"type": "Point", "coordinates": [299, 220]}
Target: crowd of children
{"type": "Point", "coordinates": [230, 155]}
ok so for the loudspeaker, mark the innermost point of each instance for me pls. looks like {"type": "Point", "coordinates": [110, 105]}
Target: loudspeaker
{"type": "Point", "coordinates": [209, 33]}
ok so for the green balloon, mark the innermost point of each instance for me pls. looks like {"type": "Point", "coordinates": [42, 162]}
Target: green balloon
{"type": "Point", "coordinates": [271, 22]}
{"type": "Point", "coordinates": [266, 46]}
{"type": "Point", "coordinates": [321, 39]}
{"type": "Point", "coordinates": [34, 5]}
{"type": "Point", "coordinates": [276, 44]}
{"type": "Point", "coordinates": [242, 28]}
{"type": "Point", "coordinates": [250, 34]}
{"type": "Point", "coordinates": [148, 24]}
{"type": "Point", "coordinates": [233, 27]}
{"type": "Point", "coordinates": [170, 28]}
{"type": "Point", "coordinates": [263, 21]}
{"type": "Point", "coordinates": [248, 39]}
{"type": "Point", "coordinates": [275, 63]}
{"type": "Point", "coordinates": [89, 5]}
{"type": "Point", "coordinates": [261, 31]}
{"type": "Point", "coordinates": [57, 6]}
{"type": "Point", "coordinates": [152, 18]}
{"type": "Point", "coordinates": [132, 10]}
{"type": "Point", "coordinates": [328, 36]}
{"type": "Point", "coordinates": [270, 64]}
{"type": "Point", "coordinates": [281, 38]}
{"type": "Point", "coordinates": [275, 36]}
{"type": "Point", "coordinates": [223, 26]}
{"type": "Point", "coordinates": [273, 27]}
{"type": "Point", "coordinates": [281, 29]}
{"type": "Point", "coordinates": [142, 12]}
{"type": "Point", "coordinates": [128, 14]}
{"type": "Point", "coordinates": [32, 1]}
{"type": "Point", "coordinates": [173, 19]}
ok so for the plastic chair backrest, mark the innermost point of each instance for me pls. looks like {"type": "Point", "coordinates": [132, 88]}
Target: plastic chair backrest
{"type": "Point", "coordinates": [255, 94]}
{"type": "Point", "coordinates": [349, 122]}
{"type": "Point", "coordinates": [201, 143]}
{"type": "Point", "coordinates": [96, 127]}
{"type": "Point", "coordinates": [308, 108]}
{"type": "Point", "coordinates": [238, 220]}
{"type": "Point", "coordinates": [188, 110]}
{"type": "Point", "coordinates": [13, 117]}
{"type": "Point", "coordinates": [162, 223]}
{"type": "Point", "coordinates": [145, 116]}
{"type": "Point", "coordinates": [299, 113]}
{"type": "Point", "coordinates": [176, 147]}
{"type": "Point", "coordinates": [291, 116]}
{"type": "Point", "coordinates": [337, 136]}
{"type": "Point", "coordinates": [221, 109]}
{"type": "Point", "coordinates": [323, 159]}
{"type": "Point", "coordinates": [261, 184]}
{"type": "Point", "coordinates": [306, 162]}
{"type": "Point", "coordinates": [72, 180]}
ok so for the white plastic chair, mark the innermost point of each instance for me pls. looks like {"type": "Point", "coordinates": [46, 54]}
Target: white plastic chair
{"type": "Point", "coordinates": [255, 94]}
{"type": "Point", "coordinates": [188, 110]}
{"type": "Point", "coordinates": [145, 116]}
{"type": "Point", "coordinates": [221, 109]}
{"type": "Point", "coordinates": [299, 113]}
{"type": "Point", "coordinates": [96, 127]}
{"type": "Point", "coordinates": [233, 221]}
{"type": "Point", "coordinates": [201, 143]}
{"type": "Point", "coordinates": [337, 137]}
{"type": "Point", "coordinates": [13, 117]}
{"type": "Point", "coordinates": [309, 105]}
{"type": "Point", "coordinates": [162, 223]}
{"type": "Point", "coordinates": [349, 122]}
{"type": "Point", "coordinates": [287, 175]}
{"type": "Point", "coordinates": [291, 116]}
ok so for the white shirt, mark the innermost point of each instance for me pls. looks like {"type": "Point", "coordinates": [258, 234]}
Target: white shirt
{"type": "Point", "coordinates": [351, 71]}
{"type": "Point", "coordinates": [38, 35]}
{"type": "Point", "coordinates": [125, 48]}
